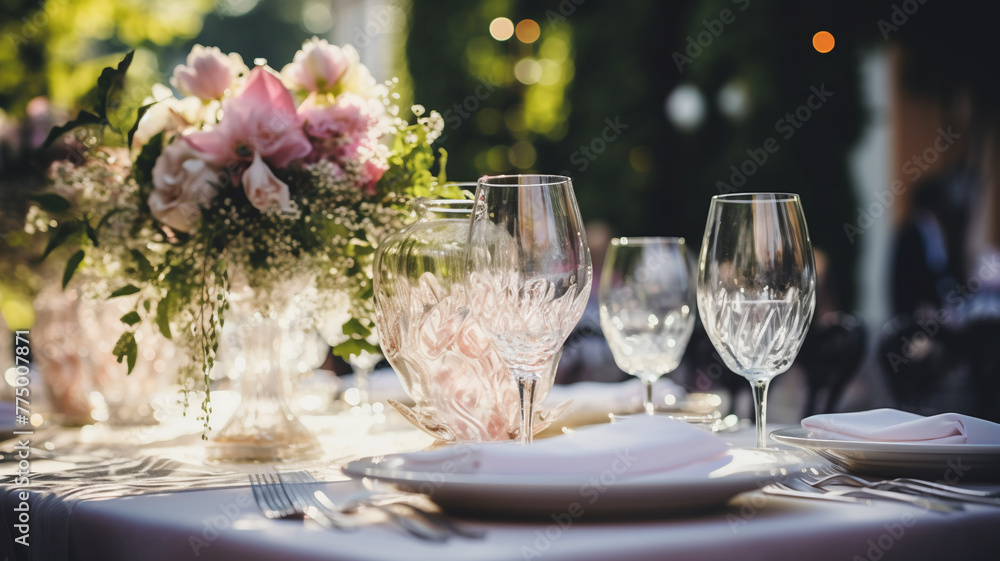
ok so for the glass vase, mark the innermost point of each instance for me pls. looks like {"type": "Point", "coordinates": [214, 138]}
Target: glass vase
{"type": "Point", "coordinates": [263, 427]}
{"type": "Point", "coordinates": [451, 369]}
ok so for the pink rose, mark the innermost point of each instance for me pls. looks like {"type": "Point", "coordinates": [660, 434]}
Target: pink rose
{"type": "Point", "coordinates": [183, 184]}
{"type": "Point", "coordinates": [371, 172]}
{"type": "Point", "coordinates": [264, 190]}
{"type": "Point", "coordinates": [350, 115]}
{"type": "Point", "coordinates": [317, 67]}
{"type": "Point", "coordinates": [208, 73]}
{"type": "Point", "coordinates": [260, 120]}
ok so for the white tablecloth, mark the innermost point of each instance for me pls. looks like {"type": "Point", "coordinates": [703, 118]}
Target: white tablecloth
{"type": "Point", "coordinates": [226, 524]}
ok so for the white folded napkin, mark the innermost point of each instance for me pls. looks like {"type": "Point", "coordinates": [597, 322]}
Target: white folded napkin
{"type": "Point", "coordinates": [632, 446]}
{"type": "Point", "coordinates": [892, 425]}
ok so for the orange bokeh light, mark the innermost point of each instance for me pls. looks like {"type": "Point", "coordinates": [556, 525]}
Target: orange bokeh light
{"type": "Point", "coordinates": [528, 31]}
{"type": "Point", "coordinates": [823, 41]}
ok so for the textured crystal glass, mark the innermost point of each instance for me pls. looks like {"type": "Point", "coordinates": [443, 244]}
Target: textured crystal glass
{"type": "Point", "coordinates": [448, 365]}
{"type": "Point", "coordinates": [757, 287]}
{"type": "Point", "coordinates": [528, 274]}
{"type": "Point", "coordinates": [647, 298]}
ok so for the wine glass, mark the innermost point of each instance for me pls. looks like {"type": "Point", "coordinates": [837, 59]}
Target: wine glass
{"type": "Point", "coordinates": [363, 364]}
{"type": "Point", "coordinates": [647, 298]}
{"type": "Point", "coordinates": [757, 287]}
{"type": "Point", "coordinates": [528, 274]}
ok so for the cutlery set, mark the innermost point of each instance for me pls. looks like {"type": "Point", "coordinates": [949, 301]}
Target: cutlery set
{"type": "Point", "coordinates": [835, 485]}
{"type": "Point", "coordinates": [289, 496]}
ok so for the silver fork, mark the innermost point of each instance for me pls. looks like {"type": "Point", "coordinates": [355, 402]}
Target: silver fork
{"type": "Point", "coordinates": [828, 476]}
{"type": "Point", "coordinates": [271, 499]}
{"type": "Point", "coordinates": [419, 526]}
{"type": "Point", "coordinates": [302, 499]}
{"type": "Point", "coordinates": [281, 501]}
{"type": "Point", "coordinates": [925, 503]}
{"type": "Point", "coordinates": [837, 471]}
{"type": "Point", "coordinates": [783, 490]}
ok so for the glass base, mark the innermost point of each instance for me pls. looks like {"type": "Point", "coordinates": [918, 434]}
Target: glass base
{"type": "Point", "coordinates": [708, 421]}
{"type": "Point", "coordinates": [262, 431]}
{"type": "Point", "coordinates": [290, 443]}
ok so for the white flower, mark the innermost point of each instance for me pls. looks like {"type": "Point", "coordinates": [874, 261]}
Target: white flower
{"type": "Point", "coordinates": [169, 115]}
{"type": "Point", "coordinates": [357, 79]}
{"type": "Point", "coordinates": [317, 67]}
{"type": "Point", "coordinates": [264, 190]}
{"type": "Point", "coordinates": [183, 184]}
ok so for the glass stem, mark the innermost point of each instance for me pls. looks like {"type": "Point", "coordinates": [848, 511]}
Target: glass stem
{"type": "Point", "coordinates": [526, 389]}
{"type": "Point", "coordinates": [760, 409]}
{"type": "Point", "coordinates": [647, 396]}
{"type": "Point", "coordinates": [262, 379]}
{"type": "Point", "coordinates": [361, 382]}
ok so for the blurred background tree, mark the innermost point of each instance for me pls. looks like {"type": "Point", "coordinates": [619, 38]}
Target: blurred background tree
{"type": "Point", "coordinates": [648, 104]}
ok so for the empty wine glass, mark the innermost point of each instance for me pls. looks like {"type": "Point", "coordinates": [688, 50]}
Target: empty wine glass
{"type": "Point", "coordinates": [528, 274]}
{"type": "Point", "coordinates": [363, 364]}
{"type": "Point", "coordinates": [647, 298]}
{"type": "Point", "coordinates": [756, 287]}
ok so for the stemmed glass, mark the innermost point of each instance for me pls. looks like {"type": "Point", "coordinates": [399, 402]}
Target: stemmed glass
{"type": "Point", "coordinates": [528, 274]}
{"type": "Point", "coordinates": [363, 364]}
{"type": "Point", "coordinates": [647, 298]}
{"type": "Point", "coordinates": [757, 287]}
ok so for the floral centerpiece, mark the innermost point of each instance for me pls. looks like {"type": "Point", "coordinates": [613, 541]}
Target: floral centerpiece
{"type": "Point", "coordinates": [252, 178]}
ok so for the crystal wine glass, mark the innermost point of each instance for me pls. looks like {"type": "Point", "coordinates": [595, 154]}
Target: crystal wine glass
{"type": "Point", "coordinates": [647, 298]}
{"type": "Point", "coordinates": [757, 287]}
{"type": "Point", "coordinates": [528, 274]}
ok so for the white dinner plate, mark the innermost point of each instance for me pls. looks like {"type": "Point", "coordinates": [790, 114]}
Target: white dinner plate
{"type": "Point", "coordinates": [948, 462]}
{"type": "Point", "coordinates": [696, 487]}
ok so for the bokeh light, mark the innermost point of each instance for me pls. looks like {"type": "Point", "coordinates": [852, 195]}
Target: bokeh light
{"type": "Point", "coordinates": [501, 29]}
{"type": "Point", "coordinates": [496, 158]}
{"type": "Point", "coordinates": [823, 41]}
{"type": "Point", "coordinates": [734, 100]}
{"type": "Point", "coordinates": [316, 17]}
{"type": "Point", "coordinates": [522, 155]}
{"type": "Point", "coordinates": [528, 71]}
{"type": "Point", "coordinates": [685, 107]}
{"type": "Point", "coordinates": [641, 159]}
{"type": "Point", "coordinates": [528, 31]}
{"type": "Point", "coordinates": [235, 8]}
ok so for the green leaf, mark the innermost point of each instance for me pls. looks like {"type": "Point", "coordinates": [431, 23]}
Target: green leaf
{"type": "Point", "coordinates": [106, 218]}
{"type": "Point", "coordinates": [84, 118]}
{"type": "Point", "coordinates": [65, 231]}
{"type": "Point", "coordinates": [163, 315]}
{"type": "Point", "coordinates": [126, 290]}
{"type": "Point", "coordinates": [142, 169]}
{"type": "Point", "coordinates": [110, 85]}
{"type": "Point", "coordinates": [51, 202]}
{"type": "Point", "coordinates": [126, 348]}
{"type": "Point", "coordinates": [354, 327]}
{"type": "Point", "coordinates": [131, 318]}
{"type": "Point", "coordinates": [353, 347]}
{"type": "Point", "coordinates": [71, 266]}
{"type": "Point", "coordinates": [91, 232]}
{"type": "Point", "coordinates": [145, 268]}
{"type": "Point", "coordinates": [442, 176]}
{"type": "Point", "coordinates": [369, 292]}
{"type": "Point", "coordinates": [362, 249]}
